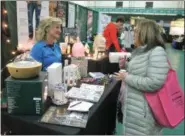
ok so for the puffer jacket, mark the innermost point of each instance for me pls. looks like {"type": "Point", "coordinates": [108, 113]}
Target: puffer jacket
{"type": "Point", "coordinates": [147, 71]}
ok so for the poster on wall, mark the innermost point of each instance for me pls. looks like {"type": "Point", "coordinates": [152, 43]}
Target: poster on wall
{"type": "Point", "coordinates": [53, 8]}
{"type": "Point", "coordinates": [103, 21]}
{"type": "Point", "coordinates": [29, 14]}
{"type": "Point", "coordinates": [89, 24]}
{"type": "Point", "coordinates": [61, 13]}
{"type": "Point", "coordinates": [71, 16]}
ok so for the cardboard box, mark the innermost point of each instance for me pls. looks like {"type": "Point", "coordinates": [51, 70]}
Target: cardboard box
{"type": "Point", "coordinates": [55, 73]}
{"type": "Point", "coordinates": [28, 96]}
{"type": "Point", "coordinates": [71, 75]}
{"type": "Point", "coordinates": [82, 64]}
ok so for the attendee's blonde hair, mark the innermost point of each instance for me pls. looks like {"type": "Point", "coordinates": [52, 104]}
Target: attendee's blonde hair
{"type": "Point", "coordinates": [149, 34]}
{"type": "Point", "coordinates": [44, 26]}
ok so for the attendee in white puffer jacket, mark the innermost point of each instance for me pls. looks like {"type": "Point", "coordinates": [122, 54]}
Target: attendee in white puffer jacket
{"type": "Point", "coordinates": [146, 72]}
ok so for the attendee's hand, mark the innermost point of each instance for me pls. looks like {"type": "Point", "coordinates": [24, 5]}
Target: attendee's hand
{"type": "Point", "coordinates": [120, 75]}
{"type": "Point", "coordinates": [123, 50]}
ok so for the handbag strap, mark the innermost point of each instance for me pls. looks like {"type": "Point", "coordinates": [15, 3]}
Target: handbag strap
{"type": "Point", "coordinates": [169, 63]}
{"type": "Point", "coordinates": [166, 57]}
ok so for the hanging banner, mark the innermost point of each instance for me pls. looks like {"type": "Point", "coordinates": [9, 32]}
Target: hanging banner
{"type": "Point", "coordinates": [71, 16]}
{"type": "Point", "coordinates": [89, 24]}
{"type": "Point", "coordinates": [61, 12]}
{"type": "Point", "coordinates": [53, 8]}
{"type": "Point", "coordinates": [157, 11]}
{"type": "Point", "coordinates": [103, 21]}
{"type": "Point", "coordinates": [29, 14]}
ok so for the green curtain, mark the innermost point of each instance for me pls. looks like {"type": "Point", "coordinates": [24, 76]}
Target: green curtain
{"type": "Point", "coordinates": [82, 22]}
{"type": "Point", "coordinates": [11, 7]}
{"type": "Point", "coordinates": [7, 48]}
{"type": "Point", "coordinates": [95, 22]}
{"type": "Point", "coordinates": [156, 17]}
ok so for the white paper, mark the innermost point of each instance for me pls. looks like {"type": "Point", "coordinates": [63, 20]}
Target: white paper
{"type": "Point", "coordinates": [91, 93]}
{"type": "Point", "coordinates": [95, 88]}
{"type": "Point", "coordinates": [96, 75]}
{"type": "Point", "coordinates": [83, 106]}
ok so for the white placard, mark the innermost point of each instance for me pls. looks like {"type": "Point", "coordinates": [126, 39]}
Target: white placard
{"type": "Point", "coordinates": [176, 31]}
{"type": "Point", "coordinates": [71, 16]}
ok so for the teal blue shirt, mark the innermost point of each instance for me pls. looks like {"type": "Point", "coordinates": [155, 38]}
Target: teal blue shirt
{"type": "Point", "coordinates": [46, 54]}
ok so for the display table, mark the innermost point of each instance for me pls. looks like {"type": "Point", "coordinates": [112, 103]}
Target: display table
{"type": "Point", "coordinates": [101, 65]}
{"type": "Point", "coordinates": [102, 118]}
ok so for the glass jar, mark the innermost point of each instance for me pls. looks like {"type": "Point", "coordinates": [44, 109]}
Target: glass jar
{"type": "Point", "coordinates": [59, 91]}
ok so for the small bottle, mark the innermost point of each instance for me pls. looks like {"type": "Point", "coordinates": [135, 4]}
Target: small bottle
{"type": "Point", "coordinates": [66, 62]}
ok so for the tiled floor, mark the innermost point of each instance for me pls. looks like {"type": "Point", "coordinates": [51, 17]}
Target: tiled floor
{"type": "Point", "coordinates": [176, 58]}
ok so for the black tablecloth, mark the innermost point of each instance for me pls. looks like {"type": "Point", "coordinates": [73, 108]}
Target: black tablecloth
{"type": "Point", "coordinates": [102, 118]}
{"type": "Point", "coordinates": [101, 65]}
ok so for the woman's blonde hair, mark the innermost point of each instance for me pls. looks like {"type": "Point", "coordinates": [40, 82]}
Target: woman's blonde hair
{"type": "Point", "coordinates": [44, 26]}
{"type": "Point", "coordinates": [149, 34]}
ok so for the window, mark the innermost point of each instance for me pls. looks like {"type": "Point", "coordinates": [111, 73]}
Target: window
{"type": "Point", "coordinates": [149, 5]}
{"type": "Point", "coordinates": [119, 4]}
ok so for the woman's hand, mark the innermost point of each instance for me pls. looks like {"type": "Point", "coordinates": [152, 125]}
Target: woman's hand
{"type": "Point", "coordinates": [120, 76]}
{"type": "Point", "coordinates": [123, 50]}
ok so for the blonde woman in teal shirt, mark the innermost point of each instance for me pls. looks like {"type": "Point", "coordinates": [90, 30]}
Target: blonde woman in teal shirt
{"type": "Point", "coordinates": [46, 50]}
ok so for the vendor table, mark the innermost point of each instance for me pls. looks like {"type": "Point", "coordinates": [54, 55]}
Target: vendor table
{"type": "Point", "coordinates": [102, 118]}
{"type": "Point", "coordinates": [100, 65]}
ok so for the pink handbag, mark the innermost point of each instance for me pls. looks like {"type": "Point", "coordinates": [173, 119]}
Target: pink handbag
{"type": "Point", "coordinates": [167, 104]}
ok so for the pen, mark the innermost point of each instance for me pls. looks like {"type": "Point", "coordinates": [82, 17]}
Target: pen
{"type": "Point", "coordinates": [75, 104]}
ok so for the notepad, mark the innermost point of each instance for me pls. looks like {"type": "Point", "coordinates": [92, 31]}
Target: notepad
{"type": "Point", "coordinates": [94, 88]}
{"type": "Point", "coordinates": [81, 106]}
